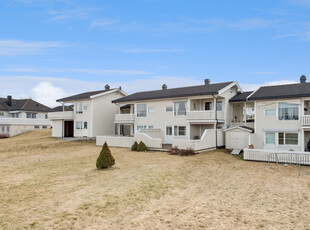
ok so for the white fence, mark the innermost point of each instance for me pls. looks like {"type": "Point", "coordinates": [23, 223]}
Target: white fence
{"type": "Point", "coordinates": [149, 141]}
{"type": "Point", "coordinates": [207, 141]}
{"type": "Point", "coordinates": [290, 157]}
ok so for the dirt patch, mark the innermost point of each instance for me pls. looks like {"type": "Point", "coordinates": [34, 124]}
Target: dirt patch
{"type": "Point", "coordinates": [47, 183]}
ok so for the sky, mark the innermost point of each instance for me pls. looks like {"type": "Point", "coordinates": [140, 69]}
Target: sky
{"type": "Point", "coordinates": [55, 48]}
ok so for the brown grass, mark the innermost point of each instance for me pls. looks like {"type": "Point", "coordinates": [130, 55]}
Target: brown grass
{"type": "Point", "coordinates": [47, 183]}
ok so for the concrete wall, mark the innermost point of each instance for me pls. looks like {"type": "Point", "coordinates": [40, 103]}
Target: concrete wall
{"type": "Point", "coordinates": [271, 122]}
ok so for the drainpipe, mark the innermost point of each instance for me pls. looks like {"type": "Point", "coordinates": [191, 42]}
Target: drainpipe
{"type": "Point", "coordinates": [216, 121]}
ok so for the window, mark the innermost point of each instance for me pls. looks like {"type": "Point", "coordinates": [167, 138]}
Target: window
{"type": "Point", "coordinates": [180, 108]}
{"type": "Point", "coordinates": [85, 125]}
{"type": "Point", "coordinates": [219, 127]}
{"type": "Point", "coordinates": [270, 138]}
{"type": "Point", "coordinates": [270, 112]}
{"type": "Point", "coordinates": [28, 115]}
{"type": "Point", "coordinates": [141, 110]}
{"type": "Point", "coordinates": [1, 114]}
{"type": "Point", "coordinates": [169, 130]}
{"type": "Point", "coordinates": [15, 115]}
{"type": "Point", "coordinates": [31, 115]}
{"type": "Point", "coordinates": [78, 125]}
{"type": "Point", "coordinates": [37, 127]}
{"type": "Point", "coordinates": [78, 107]}
{"type": "Point", "coordinates": [179, 130]}
{"type": "Point", "coordinates": [141, 127]}
{"type": "Point", "coordinates": [208, 106]}
{"type": "Point", "coordinates": [85, 107]}
{"type": "Point", "coordinates": [219, 106]}
{"type": "Point", "coordinates": [151, 110]}
{"type": "Point", "coordinates": [151, 126]}
{"type": "Point", "coordinates": [44, 127]}
{"type": "Point", "coordinates": [46, 116]}
{"type": "Point", "coordinates": [2, 129]}
{"type": "Point", "coordinates": [169, 109]}
{"type": "Point", "coordinates": [288, 111]}
{"type": "Point", "coordinates": [288, 138]}
{"type": "Point", "coordinates": [8, 129]}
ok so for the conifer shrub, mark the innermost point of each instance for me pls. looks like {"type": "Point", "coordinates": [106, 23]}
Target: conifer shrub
{"type": "Point", "coordinates": [134, 147]}
{"type": "Point", "coordinates": [105, 159]}
{"type": "Point", "coordinates": [142, 147]}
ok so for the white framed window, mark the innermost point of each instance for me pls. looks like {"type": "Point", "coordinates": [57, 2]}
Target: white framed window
{"type": "Point", "coordinates": [31, 115]}
{"type": "Point", "coordinates": [85, 107]}
{"type": "Point", "coordinates": [169, 130]}
{"type": "Point", "coordinates": [270, 138]}
{"type": "Point", "coordinates": [169, 109]}
{"type": "Point", "coordinates": [78, 107]}
{"type": "Point", "coordinates": [208, 106]}
{"type": "Point", "coordinates": [179, 130]}
{"type": "Point", "coordinates": [46, 116]}
{"type": "Point", "coordinates": [78, 125]}
{"type": "Point", "coordinates": [151, 110]}
{"type": "Point", "coordinates": [219, 106]}
{"type": "Point", "coordinates": [8, 129]}
{"type": "Point", "coordinates": [2, 129]}
{"type": "Point", "coordinates": [287, 111]}
{"type": "Point", "coordinates": [1, 114]}
{"type": "Point", "coordinates": [16, 115]}
{"type": "Point", "coordinates": [141, 127]}
{"type": "Point", "coordinates": [151, 127]}
{"type": "Point", "coordinates": [288, 138]}
{"type": "Point", "coordinates": [141, 110]}
{"type": "Point", "coordinates": [180, 108]}
{"type": "Point", "coordinates": [270, 112]}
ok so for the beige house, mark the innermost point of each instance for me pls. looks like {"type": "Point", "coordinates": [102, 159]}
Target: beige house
{"type": "Point", "coordinates": [187, 117]}
{"type": "Point", "coordinates": [92, 114]}
{"type": "Point", "coordinates": [22, 115]}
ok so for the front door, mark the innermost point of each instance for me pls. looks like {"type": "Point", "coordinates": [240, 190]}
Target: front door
{"type": "Point", "coordinates": [68, 129]}
{"type": "Point", "coordinates": [168, 136]}
{"type": "Point", "coordinates": [270, 141]}
{"type": "Point", "coordinates": [85, 130]}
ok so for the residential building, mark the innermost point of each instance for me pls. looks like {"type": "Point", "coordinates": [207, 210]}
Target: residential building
{"type": "Point", "coordinates": [187, 117]}
{"type": "Point", "coordinates": [92, 114]}
{"type": "Point", "coordinates": [22, 115]}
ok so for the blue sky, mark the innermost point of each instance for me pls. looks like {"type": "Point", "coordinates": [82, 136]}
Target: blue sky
{"type": "Point", "coordinates": [54, 48]}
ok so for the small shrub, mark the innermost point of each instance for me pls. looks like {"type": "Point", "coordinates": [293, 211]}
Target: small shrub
{"type": "Point", "coordinates": [174, 151]}
{"type": "Point", "coordinates": [105, 159]}
{"type": "Point", "coordinates": [142, 147]}
{"type": "Point", "coordinates": [2, 136]}
{"type": "Point", "coordinates": [182, 152]}
{"type": "Point", "coordinates": [134, 147]}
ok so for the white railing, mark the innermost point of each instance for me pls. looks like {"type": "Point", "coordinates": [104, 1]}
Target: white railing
{"type": "Point", "coordinates": [278, 156]}
{"type": "Point", "coordinates": [149, 141]}
{"type": "Point", "coordinates": [128, 117]}
{"type": "Point", "coordinates": [60, 115]}
{"type": "Point", "coordinates": [24, 121]}
{"type": "Point", "coordinates": [306, 120]}
{"type": "Point", "coordinates": [115, 141]}
{"type": "Point", "coordinates": [248, 124]}
{"type": "Point", "coordinates": [204, 115]}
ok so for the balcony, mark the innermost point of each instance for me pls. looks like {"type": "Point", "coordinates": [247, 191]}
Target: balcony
{"type": "Point", "coordinates": [204, 115]}
{"type": "Point", "coordinates": [23, 121]}
{"type": "Point", "coordinates": [125, 118]}
{"type": "Point", "coordinates": [66, 115]}
{"type": "Point", "coordinates": [306, 120]}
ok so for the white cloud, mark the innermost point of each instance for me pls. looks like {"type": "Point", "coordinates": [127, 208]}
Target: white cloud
{"type": "Point", "coordinates": [47, 94]}
{"type": "Point", "coordinates": [252, 87]}
{"type": "Point", "coordinates": [18, 47]}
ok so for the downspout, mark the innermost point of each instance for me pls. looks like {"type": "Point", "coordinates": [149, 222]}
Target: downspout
{"type": "Point", "coordinates": [216, 121]}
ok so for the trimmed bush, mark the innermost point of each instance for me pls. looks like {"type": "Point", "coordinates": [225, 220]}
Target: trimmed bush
{"type": "Point", "coordinates": [134, 147]}
{"type": "Point", "coordinates": [105, 159]}
{"type": "Point", "coordinates": [141, 147]}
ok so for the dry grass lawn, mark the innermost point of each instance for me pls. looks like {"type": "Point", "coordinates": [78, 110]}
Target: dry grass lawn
{"type": "Point", "coordinates": [48, 183]}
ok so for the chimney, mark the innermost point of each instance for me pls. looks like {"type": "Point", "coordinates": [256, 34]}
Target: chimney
{"type": "Point", "coordinates": [303, 79]}
{"type": "Point", "coordinates": [120, 88]}
{"type": "Point", "coordinates": [9, 100]}
{"type": "Point", "coordinates": [207, 81]}
{"type": "Point", "coordinates": [107, 87]}
{"type": "Point", "coordinates": [164, 87]}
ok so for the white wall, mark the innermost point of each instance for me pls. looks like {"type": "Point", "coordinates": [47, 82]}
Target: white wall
{"type": "Point", "coordinates": [57, 128]}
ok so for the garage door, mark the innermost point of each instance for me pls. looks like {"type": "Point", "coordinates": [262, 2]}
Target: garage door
{"type": "Point", "coordinates": [238, 140]}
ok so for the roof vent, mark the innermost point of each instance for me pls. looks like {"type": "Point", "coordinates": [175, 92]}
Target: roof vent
{"type": "Point", "coordinates": [303, 79]}
{"type": "Point", "coordinates": [9, 100]}
{"type": "Point", "coordinates": [107, 87]}
{"type": "Point", "coordinates": [207, 81]}
{"type": "Point", "coordinates": [164, 87]}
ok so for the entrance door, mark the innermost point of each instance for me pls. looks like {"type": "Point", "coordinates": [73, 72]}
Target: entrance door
{"type": "Point", "coordinates": [168, 136]}
{"type": "Point", "coordinates": [270, 141]}
{"type": "Point", "coordinates": [68, 129]}
{"type": "Point", "coordinates": [85, 130]}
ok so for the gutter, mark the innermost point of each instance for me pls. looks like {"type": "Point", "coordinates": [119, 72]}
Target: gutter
{"type": "Point", "coordinates": [216, 120]}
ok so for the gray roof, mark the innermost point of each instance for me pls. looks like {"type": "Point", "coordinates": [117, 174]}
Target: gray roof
{"type": "Point", "coordinates": [240, 96]}
{"type": "Point", "coordinates": [23, 105]}
{"type": "Point", "coordinates": [282, 91]}
{"type": "Point", "coordinates": [175, 92]}
{"type": "Point", "coordinates": [81, 96]}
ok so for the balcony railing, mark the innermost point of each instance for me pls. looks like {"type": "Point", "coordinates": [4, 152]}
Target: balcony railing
{"type": "Point", "coordinates": [60, 115]}
{"type": "Point", "coordinates": [123, 118]}
{"type": "Point", "coordinates": [204, 115]}
{"type": "Point", "coordinates": [306, 120]}
{"type": "Point", "coordinates": [23, 121]}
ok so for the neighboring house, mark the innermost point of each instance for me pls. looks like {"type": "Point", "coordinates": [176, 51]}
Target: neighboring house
{"type": "Point", "coordinates": [22, 115]}
{"type": "Point", "coordinates": [187, 117]}
{"type": "Point", "coordinates": [92, 114]}
{"type": "Point", "coordinates": [63, 108]}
